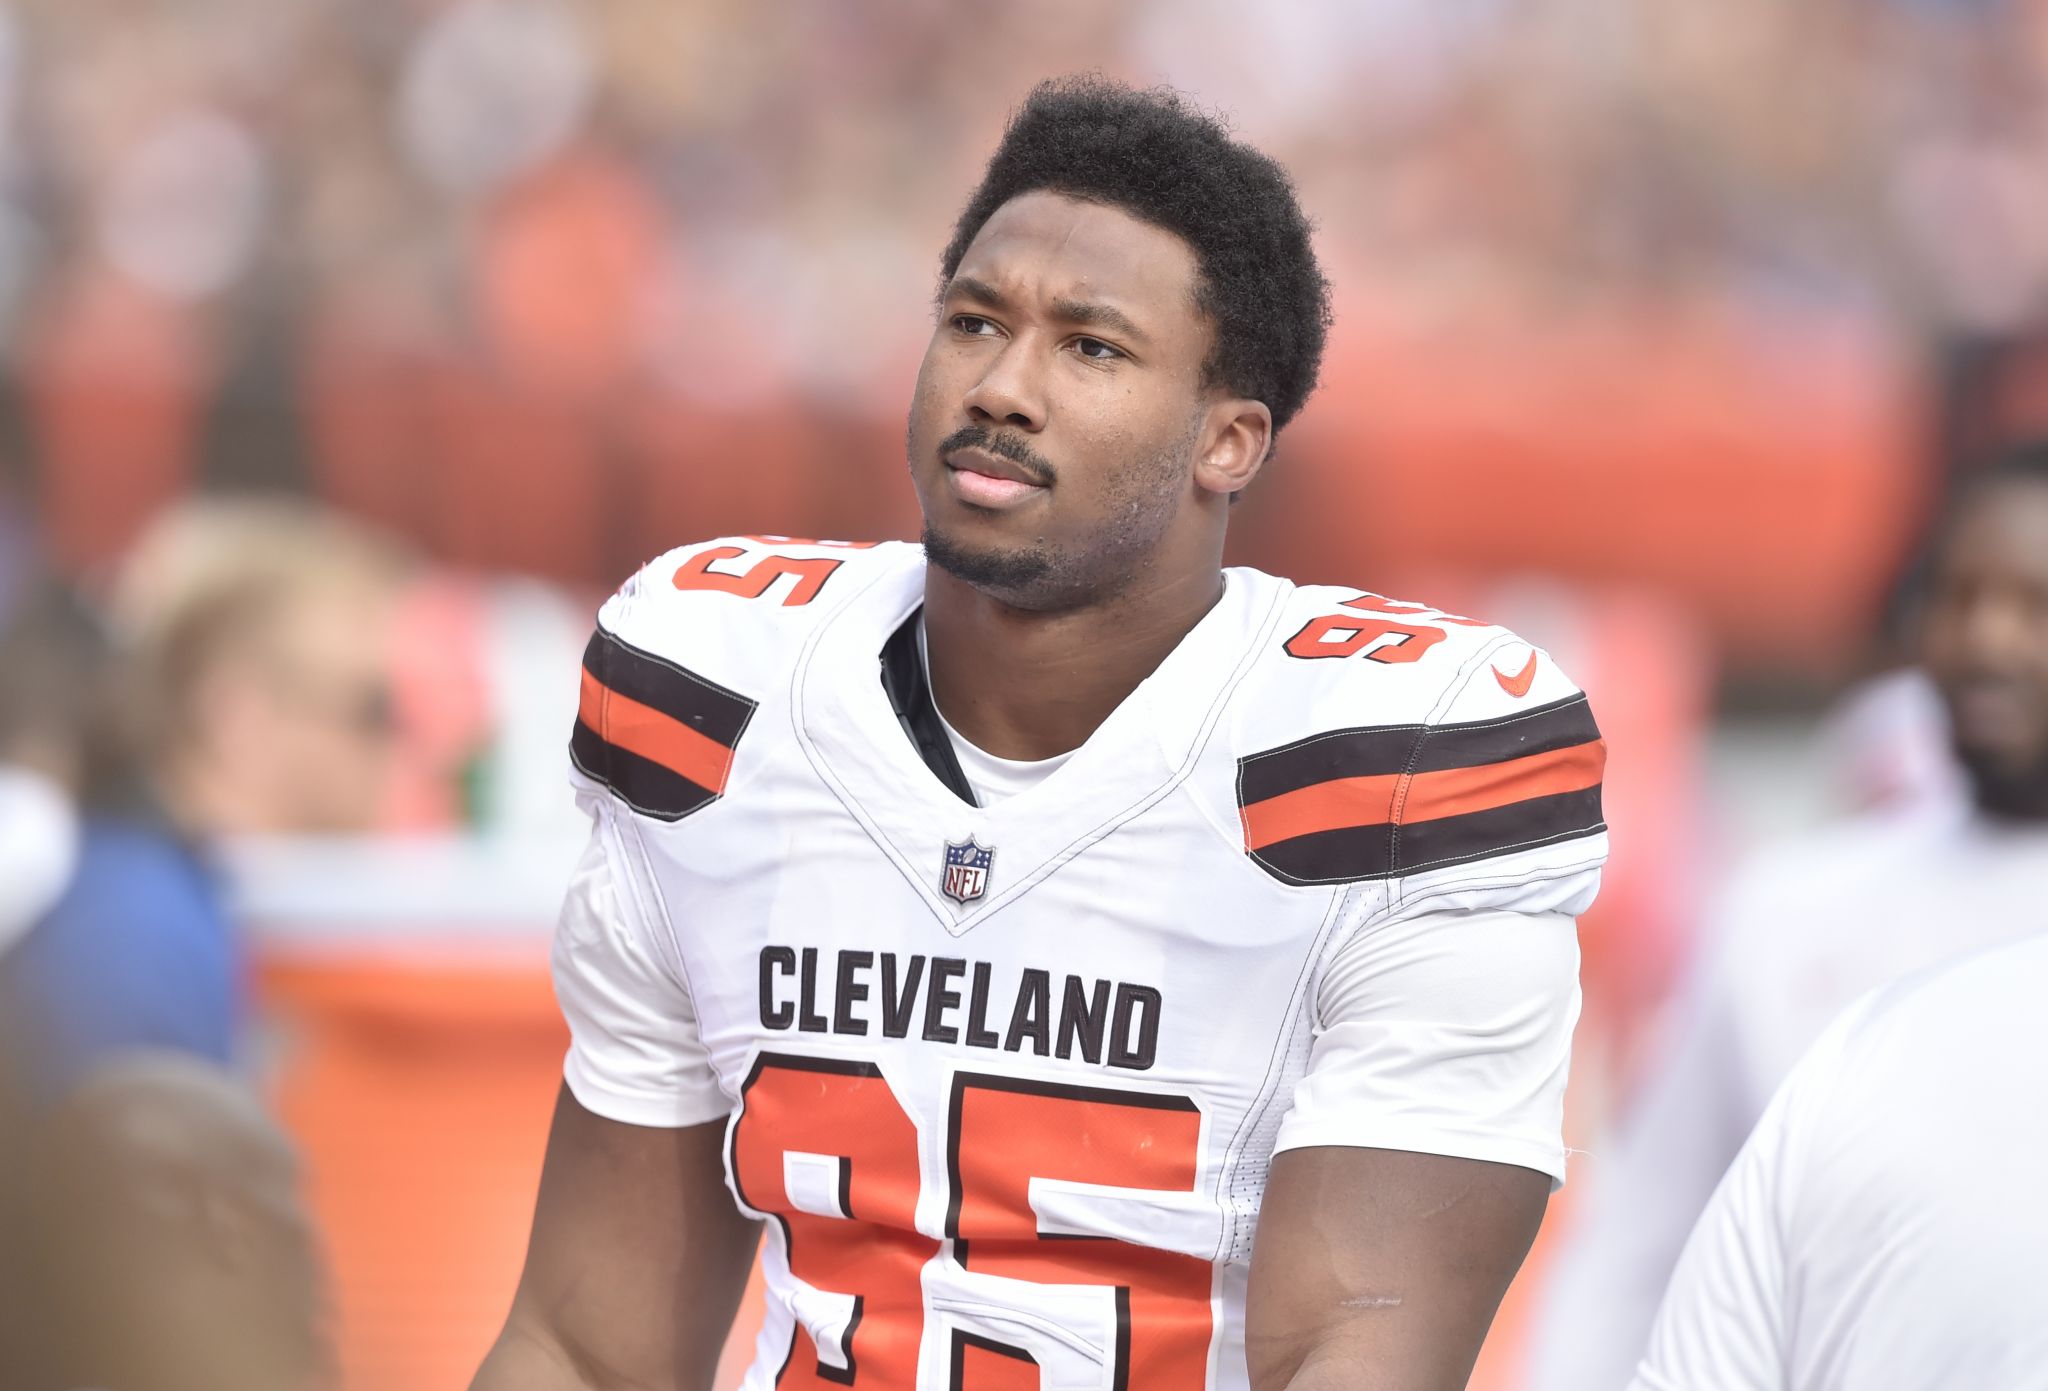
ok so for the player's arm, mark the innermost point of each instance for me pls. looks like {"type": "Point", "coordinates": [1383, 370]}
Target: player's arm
{"type": "Point", "coordinates": [636, 1264]}
{"type": "Point", "coordinates": [1415, 1164]}
{"type": "Point", "coordinates": [1383, 1268]}
{"type": "Point", "coordinates": [638, 1255]}
{"type": "Point", "coordinates": [1411, 1173]}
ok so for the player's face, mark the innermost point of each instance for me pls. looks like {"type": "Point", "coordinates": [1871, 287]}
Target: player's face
{"type": "Point", "coordinates": [1984, 640]}
{"type": "Point", "coordinates": [1060, 408]}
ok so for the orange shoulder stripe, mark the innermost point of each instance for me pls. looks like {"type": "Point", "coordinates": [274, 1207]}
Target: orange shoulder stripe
{"type": "Point", "coordinates": [663, 739]}
{"type": "Point", "coordinates": [1371, 801]}
{"type": "Point", "coordinates": [1323, 806]}
{"type": "Point", "coordinates": [1457, 791]}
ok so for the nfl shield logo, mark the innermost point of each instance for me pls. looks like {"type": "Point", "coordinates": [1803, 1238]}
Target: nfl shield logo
{"type": "Point", "coordinates": [967, 865]}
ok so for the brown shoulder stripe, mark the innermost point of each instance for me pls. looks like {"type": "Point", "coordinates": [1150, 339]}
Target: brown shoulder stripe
{"type": "Point", "coordinates": [657, 734]}
{"type": "Point", "coordinates": [1375, 803]}
{"type": "Point", "coordinates": [1369, 752]}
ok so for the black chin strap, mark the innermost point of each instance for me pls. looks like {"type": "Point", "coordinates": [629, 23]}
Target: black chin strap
{"type": "Point", "coordinates": [910, 694]}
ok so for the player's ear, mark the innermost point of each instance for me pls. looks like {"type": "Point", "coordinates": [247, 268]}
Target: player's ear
{"type": "Point", "coordinates": [1236, 439]}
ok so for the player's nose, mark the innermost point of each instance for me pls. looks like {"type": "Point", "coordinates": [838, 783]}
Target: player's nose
{"type": "Point", "coordinates": [1010, 392]}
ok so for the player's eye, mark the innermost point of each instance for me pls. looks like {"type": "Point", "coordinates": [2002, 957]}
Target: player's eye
{"type": "Point", "coordinates": [1095, 350]}
{"type": "Point", "coordinates": [973, 325]}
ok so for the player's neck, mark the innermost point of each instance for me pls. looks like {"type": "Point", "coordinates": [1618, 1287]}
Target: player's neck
{"type": "Point", "coordinates": [1027, 685]}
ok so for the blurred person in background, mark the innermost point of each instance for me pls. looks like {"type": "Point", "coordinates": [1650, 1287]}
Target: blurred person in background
{"type": "Point", "coordinates": [253, 700]}
{"type": "Point", "coordinates": [161, 1244]}
{"type": "Point", "coordinates": [1816, 923]}
{"type": "Point", "coordinates": [260, 631]}
{"type": "Point", "coordinates": [1883, 1226]}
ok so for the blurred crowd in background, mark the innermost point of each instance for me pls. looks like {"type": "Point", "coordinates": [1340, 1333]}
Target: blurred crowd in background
{"type": "Point", "coordinates": [350, 351]}
{"type": "Point", "coordinates": [484, 272]}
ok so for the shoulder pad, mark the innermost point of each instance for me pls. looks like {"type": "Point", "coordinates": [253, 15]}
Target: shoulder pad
{"type": "Point", "coordinates": [737, 608]}
{"type": "Point", "coordinates": [1389, 739]}
{"type": "Point", "coordinates": [684, 653]}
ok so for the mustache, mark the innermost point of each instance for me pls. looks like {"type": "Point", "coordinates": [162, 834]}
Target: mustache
{"type": "Point", "coordinates": [1003, 446]}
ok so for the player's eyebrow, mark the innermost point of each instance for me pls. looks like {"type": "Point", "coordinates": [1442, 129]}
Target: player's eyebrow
{"type": "Point", "coordinates": [1094, 314]}
{"type": "Point", "coordinates": [976, 290]}
{"type": "Point", "coordinates": [1083, 313]}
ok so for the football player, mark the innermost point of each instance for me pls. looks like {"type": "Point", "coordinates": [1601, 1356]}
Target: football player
{"type": "Point", "coordinates": [1090, 966]}
{"type": "Point", "coordinates": [1824, 918]}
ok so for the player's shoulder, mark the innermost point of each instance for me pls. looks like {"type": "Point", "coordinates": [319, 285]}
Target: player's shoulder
{"type": "Point", "coordinates": [735, 609]}
{"type": "Point", "coordinates": [1906, 1042]}
{"type": "Point", "coordinates": [687, 651]}
{"type": "Point", "coordinates": [1383, 738]}
{"type": "Point", "coordinates": [1345, 659]}
{"type": "Point", "coordinates": [1974, 1003]}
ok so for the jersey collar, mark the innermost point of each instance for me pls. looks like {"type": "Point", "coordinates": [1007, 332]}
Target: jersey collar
{"type": "Point", "coordinates": [845, 724]}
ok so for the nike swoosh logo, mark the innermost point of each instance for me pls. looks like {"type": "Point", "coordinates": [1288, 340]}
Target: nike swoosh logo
{"type": "Point", "coordinates": [1518, 684]}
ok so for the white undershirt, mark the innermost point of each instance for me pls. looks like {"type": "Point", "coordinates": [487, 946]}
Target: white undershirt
{"type": "Point", "coordinates": [991, 778]}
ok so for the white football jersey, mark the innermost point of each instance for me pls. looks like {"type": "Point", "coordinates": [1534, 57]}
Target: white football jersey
{"type": "Point", "coordinates": [1884, 1225]}
{"type": "Point", "coordinates": [1005, 1082]}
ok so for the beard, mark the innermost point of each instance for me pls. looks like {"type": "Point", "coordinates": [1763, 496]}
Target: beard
{"type": "Point", "coordinates": [2004, 789]}
{"type": "Point", "coordinates": [1015, 570]}
{"type": "Point", "coordinates": [1045, 575]}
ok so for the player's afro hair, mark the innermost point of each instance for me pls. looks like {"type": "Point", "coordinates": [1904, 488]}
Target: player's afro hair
{"type": "Point", "coordinates": [1158, 158]}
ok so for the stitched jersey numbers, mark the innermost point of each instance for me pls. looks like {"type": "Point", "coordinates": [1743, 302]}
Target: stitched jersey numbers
{"type": "Point", "coordinates": [824, 1149]}
{"type": "Point", "coordinates": [1007, 1137]}
{"type": "Point", "coordinates": [1374, 618]}
{"type": "Point", "coordinates": [808, 572]}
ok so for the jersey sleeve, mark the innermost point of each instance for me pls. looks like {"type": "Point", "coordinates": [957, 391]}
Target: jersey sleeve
{"type": "Point", "coordinates": [1471, 839]}
{"type": "Point", "coordinates": [657, 736]}
{"type": "Point", "coordinates": [634, 1054]}
{"type": "Point", "coordinates": [1488, 797]}
{"type": "Point", "coordinates": [1500, 805]}
{"type": "Point", "coordinates": [1445, 1033]}
{"type": "Point", "coordinates": [654, 742]}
